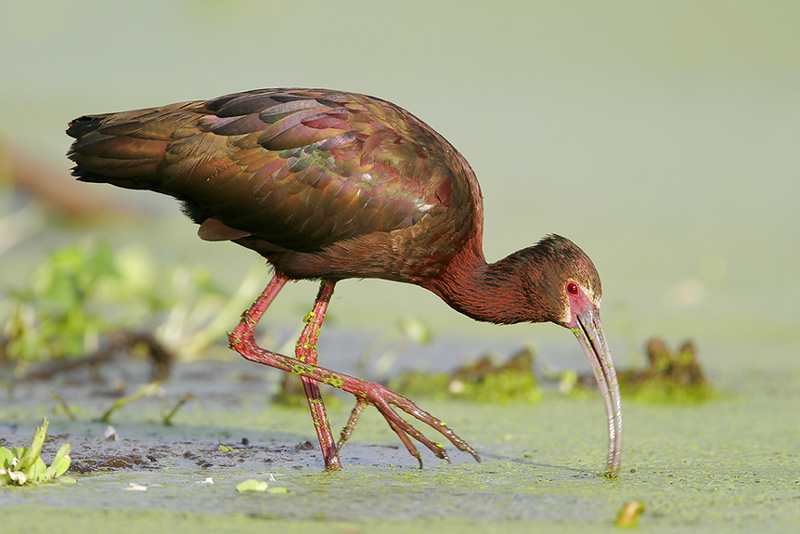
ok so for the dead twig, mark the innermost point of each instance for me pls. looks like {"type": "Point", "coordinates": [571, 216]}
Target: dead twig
{"type": "Point", "coordinates": [122, 340]}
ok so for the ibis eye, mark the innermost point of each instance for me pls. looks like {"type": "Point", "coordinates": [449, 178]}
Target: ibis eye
{"type": "Point", "coordinates": [572, 288]}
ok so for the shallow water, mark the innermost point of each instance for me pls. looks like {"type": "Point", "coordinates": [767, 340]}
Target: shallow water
{"type": "Point", "coordinates": [730, 463]}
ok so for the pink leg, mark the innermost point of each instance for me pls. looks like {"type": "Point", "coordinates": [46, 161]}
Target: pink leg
{"type": "Point", "coordinates": [243, 342]}
{"type": "Point", "coordinates": [306, 351]}
{"type": "Point", "coordinates": [250, 318]}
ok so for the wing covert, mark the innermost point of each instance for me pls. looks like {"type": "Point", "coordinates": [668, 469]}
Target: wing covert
{"type": "Point", "coordinates": [303, 170]}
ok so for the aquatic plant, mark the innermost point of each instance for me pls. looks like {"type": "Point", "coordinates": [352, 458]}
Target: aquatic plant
{"type": "Point", "coordinates": [79, 295]}
{"type": "Point", "coordinates": [480, 381]}
{"type": "Point", "coordinates": [23, 465]}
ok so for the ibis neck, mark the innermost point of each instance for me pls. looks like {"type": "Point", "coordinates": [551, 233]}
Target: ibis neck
{"type": "Point", "coordinates": [493, 292]}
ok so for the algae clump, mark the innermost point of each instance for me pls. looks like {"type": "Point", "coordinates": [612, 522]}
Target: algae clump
{"type": "Point", "coordinates": [481, 381]}
{"type": "Point", "coordinates": [674, 377]}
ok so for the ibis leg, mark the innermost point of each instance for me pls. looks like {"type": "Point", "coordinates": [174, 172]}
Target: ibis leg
{"type": "Point", "coordinates": [351, 423]}
{"type": "Point", "coordinates": [251, 317]}
{"type": "Point", "coordinates": [383, 399]}
{"type": "Point", "coordinates": [306, 351]}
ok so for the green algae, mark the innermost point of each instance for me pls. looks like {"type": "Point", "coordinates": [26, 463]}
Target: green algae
{"type": "Point", "coordinates": [480, 381]}
{"type": "Point", "coordinates": [728, 465]}
{"type": "Point", "coordinates": [670, 376]}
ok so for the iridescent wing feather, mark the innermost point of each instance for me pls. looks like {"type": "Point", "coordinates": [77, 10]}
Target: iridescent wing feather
{"type": "Point", "coordinates": [300, 169]}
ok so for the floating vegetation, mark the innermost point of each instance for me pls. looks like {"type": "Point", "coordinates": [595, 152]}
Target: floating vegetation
{"type": "Point", "coordinates": [253, 485]}
{"type": "Point", "coordinates": [90, 299]}
{"type": "Point", "coordinates": [481, 381]}
{"type": "Point", "coordinates": [23, 465]}
{"type": "Point", "coordinates": [670, 376]}
{"type": "Point", "coordinates": [629, 515]}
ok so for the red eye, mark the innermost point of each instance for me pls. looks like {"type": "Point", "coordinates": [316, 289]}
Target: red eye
{"type": "Point", "coordinates": [572, 288]}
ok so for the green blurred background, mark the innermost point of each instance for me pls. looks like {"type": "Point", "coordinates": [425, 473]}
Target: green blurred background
{"type": "Point", "coordinates": [662, 137]}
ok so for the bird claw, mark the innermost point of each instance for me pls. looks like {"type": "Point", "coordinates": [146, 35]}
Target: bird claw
{"type": "Point", "coordinates": [382, 398]}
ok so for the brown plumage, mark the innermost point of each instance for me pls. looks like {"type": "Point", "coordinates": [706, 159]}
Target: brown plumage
{"type": "Point", "coordinates": [331, 185]}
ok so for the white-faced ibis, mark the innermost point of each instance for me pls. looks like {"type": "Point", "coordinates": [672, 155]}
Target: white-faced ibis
{"type": "Point", "coordinates": [329, 185]}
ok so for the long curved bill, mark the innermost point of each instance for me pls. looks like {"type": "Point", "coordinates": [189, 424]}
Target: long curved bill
{"type": "Point", "coordinates": [593, 340]}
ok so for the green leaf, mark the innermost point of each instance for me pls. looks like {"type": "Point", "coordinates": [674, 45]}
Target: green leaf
{"type": "Point", "coordinates": [36, 472]}
{"type": "Point", "coordinates": [5, 458]}
{"type": "Point", "coordinates": [35, 449]}
{"type": "Point", "coordinates": [60, 463]}
{"type": "Point", "coordinates": [252, 485]}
